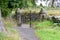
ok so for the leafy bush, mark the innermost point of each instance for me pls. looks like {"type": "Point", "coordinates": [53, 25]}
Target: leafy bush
{"type": "Point", "coordinates": [5, 12]}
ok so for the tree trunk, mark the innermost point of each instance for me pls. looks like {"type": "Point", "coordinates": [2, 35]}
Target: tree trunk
{"type": "Point", "coordinates": [52, 3]}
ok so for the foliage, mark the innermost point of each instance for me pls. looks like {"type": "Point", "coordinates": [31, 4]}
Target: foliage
{"type": "Point", "coordinates": [3, 36]}
{"type": "Point", "coordinates": [7, 23]}
{"type": "Point", "coordinates": [6, 12]}
{"type": "Point", "coordinates": [47, 31]}
{"type": "Point", "coordinates": [12, 4]}
{"type": "Point", "coordinates": [8, 5]}
{"type": "Point", "coordinates": [45, 24]}
{"type": "Point", "coordinates": [4, 7]}
{"type": "Point", "coordinates": [48, 34]}
{"type": "Point", "coordinates": [12, 34]}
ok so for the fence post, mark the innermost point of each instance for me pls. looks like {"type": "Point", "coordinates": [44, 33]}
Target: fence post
{"type": "Point", "coordinates": [18, 17]}
{"type": "Point", "coordinates": [43, 15]}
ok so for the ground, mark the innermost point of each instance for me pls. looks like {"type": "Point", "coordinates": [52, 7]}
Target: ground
{"type": "Point", "coordinates": [26, 33]}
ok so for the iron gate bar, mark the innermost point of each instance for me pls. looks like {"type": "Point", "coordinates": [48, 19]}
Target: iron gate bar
{"type": "Point", "coordinates": [30, 18]}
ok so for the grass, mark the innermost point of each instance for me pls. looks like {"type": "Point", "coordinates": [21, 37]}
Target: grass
{"type": "Point", "coordinates": [39, 25]}
{"type": "Point", "coordinates": [44, 32]}
{"type": "Point", "coordinates": [2, 36]}
{"type": "Point", "coordinates": [7, 23]}
{"type": "Point", "coordinates": [12, 34]}
{"type": "Point", "coordinates": [48, 34]}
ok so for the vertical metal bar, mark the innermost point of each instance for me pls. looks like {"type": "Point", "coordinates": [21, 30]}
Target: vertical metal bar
{"type": "Point", "coordinates": [30, 18]}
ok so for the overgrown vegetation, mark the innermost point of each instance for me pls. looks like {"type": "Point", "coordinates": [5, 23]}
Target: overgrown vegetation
{"type": "Point", "coordinates": [41, 25]}
{"type": "Point", "coordinates": [48, 34]}
{"type": "Point", "coordinates": [46, 31]}
{"type": "Point", "coordinates": [12, 34]}
{"type": "Point", "coordinates": [8, 5]}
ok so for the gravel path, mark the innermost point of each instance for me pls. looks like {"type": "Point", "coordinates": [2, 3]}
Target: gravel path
{"type": "Point", "coordinates": [26, 32]}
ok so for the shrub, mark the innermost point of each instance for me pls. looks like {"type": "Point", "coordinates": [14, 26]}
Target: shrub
{"type": "Point", "coordinates": [5, 12]}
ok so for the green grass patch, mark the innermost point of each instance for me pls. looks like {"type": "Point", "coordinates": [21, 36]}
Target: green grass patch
{"type": "Point", "coordinates": [48, 34]}
{"type": "Point", "coordinates": [11, 30]}
{"type": "Point", "coordinates": [12, 34]}
{"type": "Point", "coordinates": [44, 24]}
{"type": "Point", "coordinates": [8, 24]}
{"type": "Point", "coordinates": [3, 36]}
{"type": "Point", "coordinates": [48, 31]}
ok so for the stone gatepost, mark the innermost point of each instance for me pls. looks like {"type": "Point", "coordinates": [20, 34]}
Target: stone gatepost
{"type": "Point", "coordinates": [43, 15]}
{"type": "Point", "coordinates": [18, 17]}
